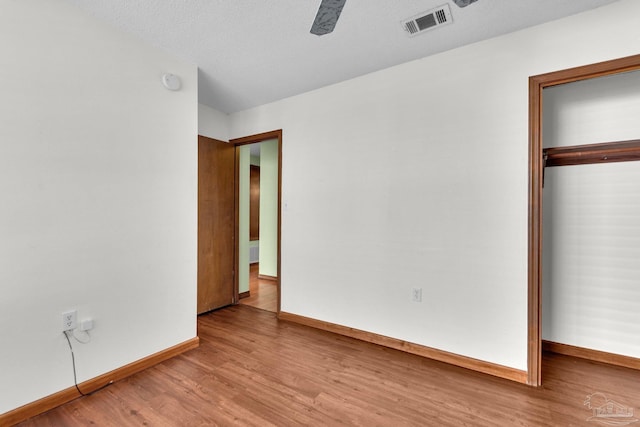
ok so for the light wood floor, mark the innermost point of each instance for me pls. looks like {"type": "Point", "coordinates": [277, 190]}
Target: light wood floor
{"type": "Point", "coordinates": [252, 369]}
{"type": "Point", "coordinates": [264, 293]}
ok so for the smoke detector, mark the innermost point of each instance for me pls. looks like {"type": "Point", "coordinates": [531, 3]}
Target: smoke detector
{"type": "Point", "coordinates": [464, 3]}
{"type": "Point", "coordinates": [428, 20]}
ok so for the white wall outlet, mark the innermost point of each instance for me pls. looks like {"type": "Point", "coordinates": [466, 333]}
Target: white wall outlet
{"type": "Point", "coordinates": [69, 320]}
{"type": "Point", "coordinates": [416, 294]}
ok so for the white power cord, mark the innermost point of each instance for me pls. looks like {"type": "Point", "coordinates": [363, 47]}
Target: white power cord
{"type": "Point", "coordinates": [85, 338]}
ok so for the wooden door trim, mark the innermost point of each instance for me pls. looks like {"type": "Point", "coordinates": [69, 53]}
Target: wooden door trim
{"type": "Point", "coordinates": [253, 139]}
{"type": "Point", "coordinates": [536, 86]}
{"type": "Point", "coordinates": [260, 137]}
{"type": "Point", "coordinates": [254, 205]}
{"type": "Point", "coordinates": [236, 231]}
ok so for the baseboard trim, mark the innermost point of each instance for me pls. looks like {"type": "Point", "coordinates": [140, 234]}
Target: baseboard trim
{"type": "Point", "coordinates": [67, 395]}
{"type": "Point", "coordinates": [265, 277]}
{"type": "Point", "coordinates": [417, 349]}
{"type": "Point", "coordinates": [246, 294]}
{"type": "Point", "coordinates": [589, 354]}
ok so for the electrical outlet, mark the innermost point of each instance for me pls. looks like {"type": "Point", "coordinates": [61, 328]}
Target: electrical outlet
{"type": "Point", "coordinates": [69, 320]}
{"type": "Point", "coordinates": [416, 294]}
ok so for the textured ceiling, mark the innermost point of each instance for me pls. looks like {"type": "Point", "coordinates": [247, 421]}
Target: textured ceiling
{"type": "Point", "coordinates": [251, 52]}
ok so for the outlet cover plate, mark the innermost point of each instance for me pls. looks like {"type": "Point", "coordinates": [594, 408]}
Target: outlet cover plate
{"type": "Point", "coordinates": [69, 320]}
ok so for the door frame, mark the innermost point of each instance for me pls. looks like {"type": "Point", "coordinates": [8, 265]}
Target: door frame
{"type": "Point", "coordinates": [238, 142]}
{"type": "Point", "coordinates": [536, 170]}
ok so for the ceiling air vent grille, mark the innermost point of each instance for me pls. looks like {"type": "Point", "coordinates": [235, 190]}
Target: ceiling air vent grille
{"type": "Point", "coordinates": [428, 20]}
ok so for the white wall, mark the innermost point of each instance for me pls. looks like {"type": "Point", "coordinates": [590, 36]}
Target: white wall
{"type": "Point", "coordinates": [592, 111]}
{"type": "Point", "coordinates": [244, 203]}
{"type": "Point", "coordinates": [591, 296]}
{"type": "Point", "coordinates": [268, 256]}
{"type": "Point", "coordinates": [416, 176]}
{"type": "Point", "coordinates": [98, 177]}
{"type": "Point", "coordinates": [213, 123]}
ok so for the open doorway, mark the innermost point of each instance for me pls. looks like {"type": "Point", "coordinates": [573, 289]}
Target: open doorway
{"type": "Point", "coordinates": [537, 159]}
{"type": "Point", "coordinates": [257, 245]}
{"type": "Point", "coordinates": [258, 184]}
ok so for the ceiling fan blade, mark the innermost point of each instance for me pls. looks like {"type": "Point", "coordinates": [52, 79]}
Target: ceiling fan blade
{"type": "Point", "coordinates": [327, 16]}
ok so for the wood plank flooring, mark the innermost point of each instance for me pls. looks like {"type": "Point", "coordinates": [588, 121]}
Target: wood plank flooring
{"type": "Point", "coordinates": [264, 293]}
{"type": "Point", "coordinates": [252, 369]}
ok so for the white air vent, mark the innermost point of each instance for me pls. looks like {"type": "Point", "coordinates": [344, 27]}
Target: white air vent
{"type": "Point", "coordinates": [254, 254]}
{"type": "Point", "coordinates": [428, 20]}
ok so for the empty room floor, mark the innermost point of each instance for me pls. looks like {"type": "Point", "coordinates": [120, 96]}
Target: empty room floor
{"type": "Point", "coordinates": [264, 293]}
{"type": "Point", "coordinates": [252, 369]}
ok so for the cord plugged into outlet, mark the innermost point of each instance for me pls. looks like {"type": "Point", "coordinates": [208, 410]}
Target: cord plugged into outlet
{"type": "Point", "coordinates": [86, 325]}
{"type": "Point", "coordinates": [75, 375]}
{"type": "Point", "coordinates": [81, 334]}
{"type": "Point", "coordinates": [79, 331]}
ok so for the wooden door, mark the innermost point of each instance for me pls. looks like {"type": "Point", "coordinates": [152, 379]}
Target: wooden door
{"type": "Point", "coordinates": [254, 202]}
{"type": "Point", "coordinates": [216, 224]}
